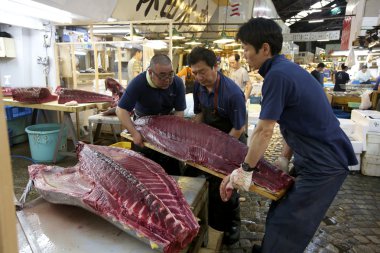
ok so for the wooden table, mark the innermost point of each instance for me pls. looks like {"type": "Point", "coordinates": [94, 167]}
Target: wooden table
{"type": "Point", "coordinates": [253, 188]}
{"type": "Point", "coordinates": [344, 99]}
{"type": "Point", "coordinates": [53, 228]}
{"type": "Point", "coordinates": [66, 110]}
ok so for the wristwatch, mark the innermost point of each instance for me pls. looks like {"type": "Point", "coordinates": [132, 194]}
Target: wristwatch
{"type": "Point", "coordinates": [247, 168]}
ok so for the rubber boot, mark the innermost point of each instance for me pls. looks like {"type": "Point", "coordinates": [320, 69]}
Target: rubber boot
{"type": "Point", "coordinates": [232, 232]}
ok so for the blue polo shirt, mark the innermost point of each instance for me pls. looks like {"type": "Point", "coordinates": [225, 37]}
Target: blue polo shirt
{"type": "Point", "coordinates": [147, 100]}
{"type": "Point", "coordinates": [293, 98]}
{"type": "Point", "coordinates": [231, 101]}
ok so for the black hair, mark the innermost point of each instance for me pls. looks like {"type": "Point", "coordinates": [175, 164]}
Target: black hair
{"type": "Point", "coordinates": [344, 67]}
{"type": "Point", "coordinates": [321, 65]}
{"type": "Point", "coordinates": [237, 57]}
{"type": "Point", "coordinates": [258, 31]}
{"type": "Point", "coordinates": [202, 54]}
{"type": "Point", "coordinates": [134, 51]}
{"type": "Point", "coordinates": [161, 59]}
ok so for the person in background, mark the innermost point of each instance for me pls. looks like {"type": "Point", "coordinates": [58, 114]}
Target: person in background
{"type": "Point", "coordinates": [218, 102]}
{"type": "Point", "coordinates": [363, 75]}
{"type": "Point", "coordinates": [240, 75]}
{"type": "Point", "coordinates": [377, 83]}
{"type": "Point", "coordinates": [188, 79]}
{"type": "Point", "coordinates": [322, 151]}
{"type": "Point", "coordinates": [318, 72]}
{"type": "Point", "coordinates": [157, 91]}
{"type": "Point", "coordinates": [341, 78]}
{"type": "Point", "coordinates": [135, 64]}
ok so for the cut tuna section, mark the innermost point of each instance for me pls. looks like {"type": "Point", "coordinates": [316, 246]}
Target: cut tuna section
{"type": "Point", "coordinates": [33, 95]}
{"type": "Point", "coordinates": [207, 146]}
{"type": "Point", "coordinates": [127, 189]}
{"type": "Point", "coordinates": [82, 96]}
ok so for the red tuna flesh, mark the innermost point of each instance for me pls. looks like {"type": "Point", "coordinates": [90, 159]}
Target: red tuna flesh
{"type": "Point", "coordinates": [33, 95]}
{"type": "Point", "coordinates": [127, 189]}
{"type": "Point", "coordinates": [82, 96]}
{"type": "Point", "coordinates": [207, 146]}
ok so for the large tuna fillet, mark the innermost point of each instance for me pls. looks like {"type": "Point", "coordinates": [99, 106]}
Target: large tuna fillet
{"type": "Point", "coordinates": [82, 96]}
{"type": "Point", "coordinates": [125, 188]}
{"type": "Point", "coordinates": [33, 95]}
{"type": "Point", "coordinates": [209, 147]}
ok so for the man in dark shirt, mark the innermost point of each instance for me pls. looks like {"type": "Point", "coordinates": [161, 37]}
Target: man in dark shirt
{"type": "Point", "coordinates": [341, 78]}
{"type": "Point", "coordinates": [157, 91]}
{"type": "Point", "coordinates": [318, 72]}
{"type": "Point", "coordinates": [220, 103]}
{"type": "Point", "coordinates": [322, 151]}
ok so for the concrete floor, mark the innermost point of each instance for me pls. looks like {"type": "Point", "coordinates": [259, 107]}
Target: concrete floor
{"type": "Point", "coordinates": [352, 223]}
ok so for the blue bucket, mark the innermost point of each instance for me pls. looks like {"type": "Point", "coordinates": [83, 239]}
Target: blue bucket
{"type": "Point", "coordinates": [43, 139]}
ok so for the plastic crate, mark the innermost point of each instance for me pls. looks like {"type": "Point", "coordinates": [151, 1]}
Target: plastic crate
{"type": "Point", "coordinates": [353, 105]}
{"type": "Point", "coordinates": [16, 112]}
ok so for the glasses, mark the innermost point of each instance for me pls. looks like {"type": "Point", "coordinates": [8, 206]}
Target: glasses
{"type": "Point", "coordinates": [163, 77]}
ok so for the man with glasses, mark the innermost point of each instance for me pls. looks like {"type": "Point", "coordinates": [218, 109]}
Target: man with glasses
{"type": "Point", "coordinates": [157, 91]}
{"type": "Point", "coordinates": [220, 103]}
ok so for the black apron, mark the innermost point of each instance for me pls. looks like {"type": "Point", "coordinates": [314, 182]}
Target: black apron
{"type": "Point", "coordinates": [224, 216]}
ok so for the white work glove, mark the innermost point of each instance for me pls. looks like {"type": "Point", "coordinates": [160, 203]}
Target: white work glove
{"type": "Point", "coordinates": [238, 179]}
{"type": "Point", "coordinates": [282, 163]}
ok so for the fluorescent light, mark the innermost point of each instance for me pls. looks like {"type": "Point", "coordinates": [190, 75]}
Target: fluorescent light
{"type": "Point", "coordinates": [111, 19]}
{"type": "Point", "coordinates": [156, 44]}
{"type": "Point", "coordinates": [22, 21]}
{"type": "Point", "coordinates": [110, 30]}
{"type": "Point", "coordinates": [324, 40]}
{"type": "Point", "coordinates": [33, 9]}
{"type": "Point", "coordinates": [332, 6]}
{"type": "Point", "coordinates": [316, 21]}
{"type": "Point", "coordinates": [340, 53]}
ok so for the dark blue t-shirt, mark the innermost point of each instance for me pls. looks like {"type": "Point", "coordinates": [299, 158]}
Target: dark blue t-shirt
{"type": "Point", "coordinates": [147, 100]}
{"type": "Point", "coordinates": [293, 98]}
{"type": "Point", "coordinates": [231, 101]}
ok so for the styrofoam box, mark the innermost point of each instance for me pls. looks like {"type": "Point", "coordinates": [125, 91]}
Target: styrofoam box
{"type": "Point", "coordinates": [359, 115]}
{"type": "Point", "coordinates": [369, 118]}
{"type": "Point", "coordinates": [360, 134]}
{"type": "Point", "coordinates": [347, 126]}
{"type": "Point", "coordinates": [356, 167]}
{"type": "Point", "coordinates": [373, 144]}
{"type": "Point", "coordinates": [371, 165]}
{"type": "Point", "coordinates": [356, 145]}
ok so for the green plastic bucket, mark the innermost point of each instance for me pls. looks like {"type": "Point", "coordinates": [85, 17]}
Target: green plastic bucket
{"type": "Point", "coordinates": [43, 139]}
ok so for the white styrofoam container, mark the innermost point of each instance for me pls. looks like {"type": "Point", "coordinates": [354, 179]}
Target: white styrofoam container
{"type": "Point", "coordinates": [373, 144]}
{"type": "Point", "coordinates": [369, 118]}
{"type": "Point", "coordinates": [356, 167]}
{"type": "Point", "coordinates": [359, 115]}
{"type": "Point", "coordinates": [347, 126]}
{"type": "Point", "coordinates": [360, 134]}
{"type": "Point", "coordinates": [357, 146]}
{"type": "Point", "coordinates": [371, 165]}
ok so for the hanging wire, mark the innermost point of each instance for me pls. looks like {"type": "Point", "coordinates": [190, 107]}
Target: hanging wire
{"type": "Point", "coordinates": [225, 20]}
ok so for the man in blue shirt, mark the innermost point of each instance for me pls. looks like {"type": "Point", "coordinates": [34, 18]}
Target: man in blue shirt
{"type": "Point", "coordinates": [157, 91]}
{"type": "Point", "coordinates": [318, 72]}
{"type": "Point", "coordinates": [322, 152]}
{"type": "Point", "coordinates": [220, 103]}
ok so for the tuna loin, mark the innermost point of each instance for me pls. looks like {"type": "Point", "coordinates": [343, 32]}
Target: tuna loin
{"type": "Point", "coordinates": [127, 189]}
{"type": "Point", "coordinates": [207, 146]}
{"type": "Point", "coordinates": [33, 95]}
{"type": "Point", "coordinates": [81, 96]}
